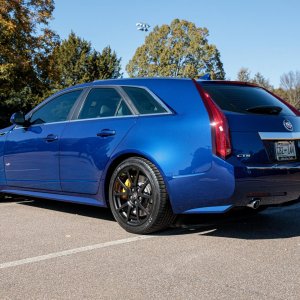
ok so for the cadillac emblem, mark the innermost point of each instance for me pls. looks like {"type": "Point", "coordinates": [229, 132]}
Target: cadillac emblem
{"type": "Point", "coordinates": [288, 125]}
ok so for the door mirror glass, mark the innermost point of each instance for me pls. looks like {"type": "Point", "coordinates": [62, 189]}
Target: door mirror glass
{"type": "Point", "coordinates": [18, 118]}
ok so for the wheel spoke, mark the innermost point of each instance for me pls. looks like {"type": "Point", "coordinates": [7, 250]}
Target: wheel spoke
{"type": "Point", "coordinates": [143, 209]}
{"type": "Point", "coordinates": [120, 194]}
{"type": "Point", "coordinates": [129, 178]}
{"type": "Point", "coordinates": [144, 185]}
{"type": "Point", "coordinates": [123, 185]}
{"type": "Point", "coordinates": [145, 196]}
{"type": "Point", "coordinates": [128, 212]}
{"type": "Point", "coordinates": [136, 178]}
{"type": "Point", "coordinates": [137, 213]}
{"type": "Point", "coordinates": [123, 206]}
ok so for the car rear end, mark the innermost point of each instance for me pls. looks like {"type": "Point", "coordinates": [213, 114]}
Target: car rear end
{"type": "Point", "coordinates": [259, 135]}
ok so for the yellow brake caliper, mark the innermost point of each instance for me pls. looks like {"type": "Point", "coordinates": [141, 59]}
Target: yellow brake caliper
{"type": "Point", "coordinates": [128, 184]}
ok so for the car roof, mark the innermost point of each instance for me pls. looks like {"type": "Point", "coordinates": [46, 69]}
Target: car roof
{"type": "Point", "coordinates": [146, 81]}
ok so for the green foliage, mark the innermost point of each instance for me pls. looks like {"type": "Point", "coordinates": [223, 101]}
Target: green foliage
{"type": "Point", "coordinates": [74, 61]}
{"type": "Point", "coordinates": [177, 50]}
{"type": "Point", "coordinates": [108, 65]}
{"type": "Point", "coordinates": [25, 43]}
{"type": "Point", "coordinates": [34, 63]}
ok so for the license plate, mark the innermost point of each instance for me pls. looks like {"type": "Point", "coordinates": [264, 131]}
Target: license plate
{"type": "Point", "coordinates": [285, 150]}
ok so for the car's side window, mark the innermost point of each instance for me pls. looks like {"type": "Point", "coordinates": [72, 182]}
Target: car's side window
{"type": "Point", "coordinates": [144, 102]}
{"type": "Point", "coordinates": [103, 102]}
{"type": "Point", "coordinates": [56, 110]}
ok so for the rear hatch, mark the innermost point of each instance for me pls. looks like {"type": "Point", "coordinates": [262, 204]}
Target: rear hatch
{"type": "Point", "coordinates": [264, 130]}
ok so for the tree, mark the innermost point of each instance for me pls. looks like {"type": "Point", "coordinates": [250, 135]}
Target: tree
{"type": "Point", "coordinates": [290, 83]}
{"type": "Point", "coordinates": [260, 80]}
{"type": "Point", "coordinates": [177, 50]}
{"type": "Point", "coordinates": [244, 75]}
{"type": "Point", "coordinates": [25, 43]}
{"type": "Point", "coordinates": [109, 65]}
{"type": "Point", "coordinates": [74, 61]}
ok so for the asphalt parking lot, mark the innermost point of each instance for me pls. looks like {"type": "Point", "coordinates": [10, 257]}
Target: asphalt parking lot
{"type": "Point", "coordinates": [52, 250]}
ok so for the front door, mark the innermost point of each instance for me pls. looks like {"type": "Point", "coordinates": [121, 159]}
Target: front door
{"type": "Point", "coordinates": [31, 154]}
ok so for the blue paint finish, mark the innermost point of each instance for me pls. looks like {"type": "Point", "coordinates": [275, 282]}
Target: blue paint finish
{"type": "Point", "coordinates": [208, 210]}
{"type": "Point", "coordinates": [3, 135]}
{"type": "Point", "coordinates": [212, 188]}
{"type": "Point", "coordinates": [81, 199]}
{"type": "Point", "coordinates": [160, 143]}
{"type": "Point", "coordinates": [84, 155]}
{"type": "Point", "coordinates": [31, 161]}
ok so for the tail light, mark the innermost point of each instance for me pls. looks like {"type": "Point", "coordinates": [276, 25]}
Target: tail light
{"type": "Point", "coordinates": [219, 125]}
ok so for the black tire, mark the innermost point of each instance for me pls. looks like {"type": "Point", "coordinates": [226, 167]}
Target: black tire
{"type": "Point", "coordinates": [2, 197]}
{"type": "Point", "coordinates": [138, 197]}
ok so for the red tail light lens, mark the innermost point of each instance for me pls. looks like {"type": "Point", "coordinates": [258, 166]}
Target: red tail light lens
{"type": "Point", "coordinates": [219, 124]}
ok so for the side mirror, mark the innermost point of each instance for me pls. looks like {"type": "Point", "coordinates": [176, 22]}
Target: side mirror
{"type": "Point", "coordinates": [18, 118]}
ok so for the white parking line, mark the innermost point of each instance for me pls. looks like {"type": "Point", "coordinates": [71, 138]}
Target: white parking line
{"type": "Point", "coordinates": [72, 251]}
{"type": "Point", "coordinates": [14, 203]}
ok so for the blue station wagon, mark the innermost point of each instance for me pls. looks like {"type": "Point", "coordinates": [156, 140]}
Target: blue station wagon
{"type": "Point", "coordinates": [154, 148]}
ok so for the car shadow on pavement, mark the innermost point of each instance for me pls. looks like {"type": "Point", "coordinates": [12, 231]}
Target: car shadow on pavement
{"type": "Point", "coordinates": [273, 223]}
{"type": "Point", "coordinates": [72, 208]}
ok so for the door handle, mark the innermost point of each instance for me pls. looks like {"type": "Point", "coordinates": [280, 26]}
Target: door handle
{"type": "Point", "coordinates": [51, 138]}
{"type": "Point", "coordinates": [106, 133]}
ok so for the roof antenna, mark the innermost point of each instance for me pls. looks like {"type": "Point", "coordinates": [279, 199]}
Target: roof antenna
{"type": "Point", "coordinates": [205, 77]}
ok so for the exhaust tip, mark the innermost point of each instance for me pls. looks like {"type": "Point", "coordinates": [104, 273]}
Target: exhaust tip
{"type": "Point", "coordinates": [254, 203]}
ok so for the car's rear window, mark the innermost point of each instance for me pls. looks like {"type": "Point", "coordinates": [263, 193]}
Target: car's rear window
{"type": "Point", "coordinates": [243, 99]}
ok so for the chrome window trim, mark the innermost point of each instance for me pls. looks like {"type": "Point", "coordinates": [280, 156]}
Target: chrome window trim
{"type": "Point", "coordinates": [78, 120]}
{"type": "Point", "coordinates": [102, 118]}
{"type": "Point", "coordinates": [38, 125]}
{"type": "Point", "coordinates": [157, 99]}
{"type": "Point", "coordinates": [279, 135]}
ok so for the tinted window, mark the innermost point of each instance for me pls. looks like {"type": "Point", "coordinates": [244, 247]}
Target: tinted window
{"type": "Point", "coordinates": [103, 102]}
{"type": "Point", "coordinates": [143, 101]}
{"type": "Point", "coordinates": [57, 110]}
{"type": "Point", "coordinates": [242, 99]}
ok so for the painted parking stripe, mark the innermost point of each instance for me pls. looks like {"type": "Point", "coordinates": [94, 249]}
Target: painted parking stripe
{"type": "Point", "coordinates": [15, 203]}
{"type": "Point", "coordinates": [72, 251]}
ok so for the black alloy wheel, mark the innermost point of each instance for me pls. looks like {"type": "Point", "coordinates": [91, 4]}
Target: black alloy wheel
{"type": "Point", "coordinates": [138, 197]}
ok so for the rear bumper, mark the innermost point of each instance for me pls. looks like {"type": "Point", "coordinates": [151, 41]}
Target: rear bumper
{"type": "Point", "coordinates": [274, 185]}
{"type": "Point", "coordinates": [227, 188]}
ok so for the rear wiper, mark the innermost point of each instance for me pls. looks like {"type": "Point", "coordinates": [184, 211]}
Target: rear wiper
{"type": "Point", "coordinates": [265, 110]}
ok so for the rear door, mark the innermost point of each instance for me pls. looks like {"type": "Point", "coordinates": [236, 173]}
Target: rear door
{"type": "Point", "coordinates": [89, 140]}
{"type": "Point", "coordinates": [263, 129]}
{"type": "Point", "coordinates": [31, 154]}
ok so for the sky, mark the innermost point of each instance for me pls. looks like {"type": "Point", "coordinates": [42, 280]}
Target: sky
{"type": "Point", "coordinates": [261, 35]}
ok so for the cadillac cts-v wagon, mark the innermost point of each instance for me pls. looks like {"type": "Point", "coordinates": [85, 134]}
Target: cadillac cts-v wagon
{"type": "Point", "coordinates": [153, 148]}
